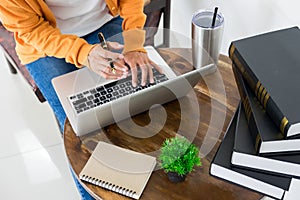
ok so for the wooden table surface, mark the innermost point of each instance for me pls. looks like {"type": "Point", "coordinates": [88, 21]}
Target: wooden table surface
{"type": "Point", "coordinates": [217, 99]}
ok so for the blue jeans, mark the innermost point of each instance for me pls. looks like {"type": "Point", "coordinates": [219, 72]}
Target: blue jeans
{"type": "Point", "coordinates": [45, 69]}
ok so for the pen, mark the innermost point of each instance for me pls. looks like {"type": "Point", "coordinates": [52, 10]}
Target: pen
{"type": "Point", "coordinates": [104, 46]}
{"type": "Point", "coordinates": [102, 40]}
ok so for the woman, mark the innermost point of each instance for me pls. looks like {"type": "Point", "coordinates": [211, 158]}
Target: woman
{"type": "Point", "coordinates": [54, 37]}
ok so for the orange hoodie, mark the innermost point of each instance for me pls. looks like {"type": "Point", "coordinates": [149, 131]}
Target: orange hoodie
{"type": "Point", "coordinates": [37, 36]}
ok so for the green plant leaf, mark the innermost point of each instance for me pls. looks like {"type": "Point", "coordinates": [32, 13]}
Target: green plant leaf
{"type": "Point", "coordinates": [179, 155]}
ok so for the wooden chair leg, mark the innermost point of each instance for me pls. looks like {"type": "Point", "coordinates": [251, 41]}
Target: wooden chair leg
{"type": "Point", "coordinates": [11, 67]}
{"type": "Point", "coordinates": [167, 19]}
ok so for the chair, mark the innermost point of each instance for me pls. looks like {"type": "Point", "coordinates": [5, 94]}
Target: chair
{"type": "Point", "coordinates": [154, 9]}
{"type": "Point", "coordinates": [8, 44]}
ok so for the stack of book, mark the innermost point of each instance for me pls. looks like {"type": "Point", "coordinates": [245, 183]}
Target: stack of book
{"type": "Point", "coordinates": [261, 147]}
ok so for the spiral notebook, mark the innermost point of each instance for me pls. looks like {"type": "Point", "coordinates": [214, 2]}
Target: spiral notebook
{"type": "Point", "coordinates": [117, 169]}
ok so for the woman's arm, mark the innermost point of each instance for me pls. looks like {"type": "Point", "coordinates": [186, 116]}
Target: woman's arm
{"type": "Point", "coordinates": [133, 22]}
{"type": "Point", "coordinates": [34, 24]}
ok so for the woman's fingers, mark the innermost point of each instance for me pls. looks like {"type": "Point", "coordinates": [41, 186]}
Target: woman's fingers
{"type": "Point", "coordinates": [141, 60]}
{"type": "Point", "coordinates": [106, 63]}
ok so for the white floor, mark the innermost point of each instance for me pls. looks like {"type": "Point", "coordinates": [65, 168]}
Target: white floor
{"type": "Point", "coordinates": [33, 164]}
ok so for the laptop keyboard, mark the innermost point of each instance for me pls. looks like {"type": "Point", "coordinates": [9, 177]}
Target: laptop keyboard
{"type": "Point", "coordinates": [97, 96]}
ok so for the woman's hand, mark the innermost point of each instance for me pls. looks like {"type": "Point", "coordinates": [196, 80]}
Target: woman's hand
{"type": "Point", "coordinates": [140, 60]}
{"type": "Point", "coordinates": [107, 64]}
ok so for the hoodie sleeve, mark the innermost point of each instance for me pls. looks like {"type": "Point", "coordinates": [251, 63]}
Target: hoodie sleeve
{"type": "Point", "coordinates": [30, 27]}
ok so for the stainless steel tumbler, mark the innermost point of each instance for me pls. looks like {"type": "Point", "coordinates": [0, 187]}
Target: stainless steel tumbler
{"type": "Point", "coordinates": [207, 32]}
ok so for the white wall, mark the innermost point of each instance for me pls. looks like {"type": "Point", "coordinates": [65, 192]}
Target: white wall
{"type": "Point", "coordinates": [242, 17]}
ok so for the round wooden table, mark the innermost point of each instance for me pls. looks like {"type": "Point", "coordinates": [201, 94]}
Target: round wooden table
{"type": "Point", "coordinates": [217, 98]}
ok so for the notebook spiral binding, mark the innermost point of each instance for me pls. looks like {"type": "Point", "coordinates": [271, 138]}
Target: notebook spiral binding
{"type": "Point", "coordinates": [109, 186]}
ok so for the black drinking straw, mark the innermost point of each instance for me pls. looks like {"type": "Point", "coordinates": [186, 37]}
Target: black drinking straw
{"type": "Point", "coordinates": [214, 18]}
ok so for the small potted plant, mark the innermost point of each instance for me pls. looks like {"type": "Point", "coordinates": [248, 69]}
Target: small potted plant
{"type": "Point", "coordinates": [178, 157]}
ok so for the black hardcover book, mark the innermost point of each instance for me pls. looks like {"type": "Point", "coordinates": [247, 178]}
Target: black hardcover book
{"type": "Point", "coordinates": [244, 153]}
{"type": "Point", "coordinates": [270, 63]}
{"type": "Point", "coordinates": [267, 184]}
{"type": "Point", "coordinates": [267, 137]}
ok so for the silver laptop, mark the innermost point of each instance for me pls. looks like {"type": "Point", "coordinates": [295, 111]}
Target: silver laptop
{"type": "Point", "coordinates": [92, 102]}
